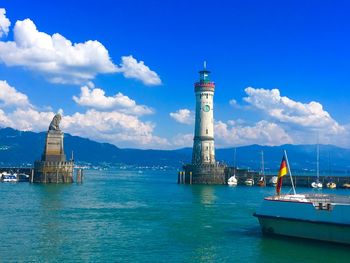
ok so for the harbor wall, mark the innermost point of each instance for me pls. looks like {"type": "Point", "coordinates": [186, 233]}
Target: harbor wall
{"type": "Point", "coordinates": [216, 174]}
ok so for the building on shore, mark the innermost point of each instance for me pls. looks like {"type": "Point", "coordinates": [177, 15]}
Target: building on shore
{"type": "Point", "coordinates": [53, 166]}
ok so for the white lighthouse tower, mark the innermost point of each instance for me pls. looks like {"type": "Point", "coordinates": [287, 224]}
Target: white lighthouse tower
{"type": "Point", "coordinates": [204, 169]}
{"type": "Point", "coordinates": [203, 142]}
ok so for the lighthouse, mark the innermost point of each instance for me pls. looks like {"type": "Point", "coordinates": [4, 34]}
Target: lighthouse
{"type": "Point", "coordinates": [204, 169]}
{"type": "Point", "coordinates": [203, 142]}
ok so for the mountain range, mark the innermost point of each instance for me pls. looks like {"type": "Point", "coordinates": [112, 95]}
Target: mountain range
{"type": "Point", "coordinates": [23, 147]}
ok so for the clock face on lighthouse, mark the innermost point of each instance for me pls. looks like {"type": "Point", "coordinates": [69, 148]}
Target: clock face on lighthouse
{"type": "Point", "coordinates": [206, 108]}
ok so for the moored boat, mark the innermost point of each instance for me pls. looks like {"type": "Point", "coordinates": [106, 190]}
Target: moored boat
{"type": "Point", "coordinates": [322, 217]}
{"type": "Point", "coordinates": [314, 216]}
{"type": "Point", "coordinates": [346, 186]}
{"type": "Point", "coordinates": [261, 182]}
{"type": "Point", "coordinates": [249, 182]}
{"type": "Point", "coordinates": [331, 185]}
{"type": "Point", "coordinates": [273, 181]}
{"type": "Point", "coordinates": [232, 181]}
{"type": "Point", "coordinates": [317, 185]}
{"type": "Point", "coordinates": [22, 177]}
{"type": "Point", "coordinates": [9, 178]}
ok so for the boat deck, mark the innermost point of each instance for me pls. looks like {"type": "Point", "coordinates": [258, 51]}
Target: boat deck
{"type": "Point", "coordinates": [312, 198]}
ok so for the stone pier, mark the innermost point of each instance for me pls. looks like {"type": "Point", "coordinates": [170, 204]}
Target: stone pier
{"type": "Point", "coordinates": [53, 166]}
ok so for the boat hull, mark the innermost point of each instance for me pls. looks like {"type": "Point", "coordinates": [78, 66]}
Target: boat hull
{"type": "Point", "coordinates": [305, 229]}
{"type": "Point", "coordinates": [306, 217]}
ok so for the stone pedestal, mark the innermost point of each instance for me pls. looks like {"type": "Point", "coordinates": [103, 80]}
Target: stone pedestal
{"type": "Point", "coordinates": [53, 167]}
{"type": "Point", "coordinates": [53, 151]}
{"type": "Point", "coordinates": [53, 172]}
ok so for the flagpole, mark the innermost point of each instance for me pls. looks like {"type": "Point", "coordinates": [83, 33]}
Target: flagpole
{"type": "Point", "coordinates": [289, 171]}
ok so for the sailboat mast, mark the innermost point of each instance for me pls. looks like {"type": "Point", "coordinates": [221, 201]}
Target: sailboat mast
{"type": "Point", "coordinates": [234, 162]}
{"type": "Point", "coordinates": [290, 172]}
{"type": "Point", "coordinates": [318, 162]}
{"type": "Point", "coordinates": [262, 165]}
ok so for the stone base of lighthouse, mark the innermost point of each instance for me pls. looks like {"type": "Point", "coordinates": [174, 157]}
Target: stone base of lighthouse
{"type": "Point", "coordinates": [204, 174]}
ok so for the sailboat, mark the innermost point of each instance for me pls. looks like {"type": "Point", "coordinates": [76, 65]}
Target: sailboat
{"type": "Point", "coordinates": [273, 181]}
{"type": "Point", "coordinates": [249, 182]}
{"type": "Point", "coordinates": [262, 180]}
{"type": "Point", "coordinates": [317, 184]}
{"type": "Point", "coordinates": [232, 181]}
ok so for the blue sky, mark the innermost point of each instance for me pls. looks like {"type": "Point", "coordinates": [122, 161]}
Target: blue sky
{"type": "Point", "coordinates": [126, 76]}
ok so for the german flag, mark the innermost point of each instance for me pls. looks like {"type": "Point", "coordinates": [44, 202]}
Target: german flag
{"type": "Point", "coordinates": [282, 172]}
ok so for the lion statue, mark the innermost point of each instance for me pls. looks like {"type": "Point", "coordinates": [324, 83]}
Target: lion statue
{"type": "Point", "coordinates": [55, 123]}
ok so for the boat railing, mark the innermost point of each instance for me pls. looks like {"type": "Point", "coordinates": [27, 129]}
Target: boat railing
{"type": "Point", "coordinates": [313, 198]}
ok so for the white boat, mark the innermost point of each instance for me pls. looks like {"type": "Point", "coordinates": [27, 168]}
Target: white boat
{"type": "Point", "coordinates": [4, 174]}
{"type": "Point", "coordinates": [8, 177]}
{"type": "Point", "coordinates": [273, 181]}
{"type": "Point", "coordinates": [314, 216]}
{"type": "Point", "coordinates": [317, 185]}
{"type": "Point", "coordinates": [232, 181]}
{"type": "Point", "coordinates": [249, 182]}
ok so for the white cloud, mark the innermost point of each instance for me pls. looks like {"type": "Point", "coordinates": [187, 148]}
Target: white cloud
{"type": "Point", "coordinates": [27, 119]}
{"type": "Point", "coordinates": [265, 133]}
{"type": "Point", "coordinates": [138, 70]}
{"type": "Point", "coordinates": [62, 61]}
{"type": "Point", "coordinates": [56, 57]}
{"type": "Point", "coordinates": [233, 102]}
{"type": "Point", "coordinates": [182, 140]}
{"type": "Point", "coordinates": [96, 98]}
{"type": "Point", "coordinates": [285, 110]}
{"type": "Point", "coordinates": [116, 127]}
{"type": "Point", "coordinates": [184, 116]}
{"type": "Point", "coordinates": [11, 97]}
{"type": "Point", "coordinates": [113, 127]}
{"type": "Point", "coordinates": [4, 23]}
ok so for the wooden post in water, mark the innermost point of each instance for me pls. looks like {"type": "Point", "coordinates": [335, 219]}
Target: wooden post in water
{"type": "Point", "coordinates": [32, 176]}
{"type": "Point", "coordinates": [79, 176]}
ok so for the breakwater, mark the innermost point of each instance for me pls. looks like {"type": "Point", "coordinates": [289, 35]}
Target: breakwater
{"type": "Point", "coordinates": [300, 180]}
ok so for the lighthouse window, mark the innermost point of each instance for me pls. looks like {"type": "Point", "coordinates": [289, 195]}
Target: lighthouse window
{"type": "Point", "coordinates": [206, 131]}
{"type": "Point", "coordinates": [206, 95]}
{"type": "Point", "coordinates": [207, 148]}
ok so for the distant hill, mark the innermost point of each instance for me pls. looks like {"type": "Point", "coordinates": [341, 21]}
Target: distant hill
{"type": "Point", "coordinates": [19, 147]}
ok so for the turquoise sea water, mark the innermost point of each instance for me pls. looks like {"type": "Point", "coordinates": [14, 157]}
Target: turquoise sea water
{"type": "Point", "coordinates": [128, 216]}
